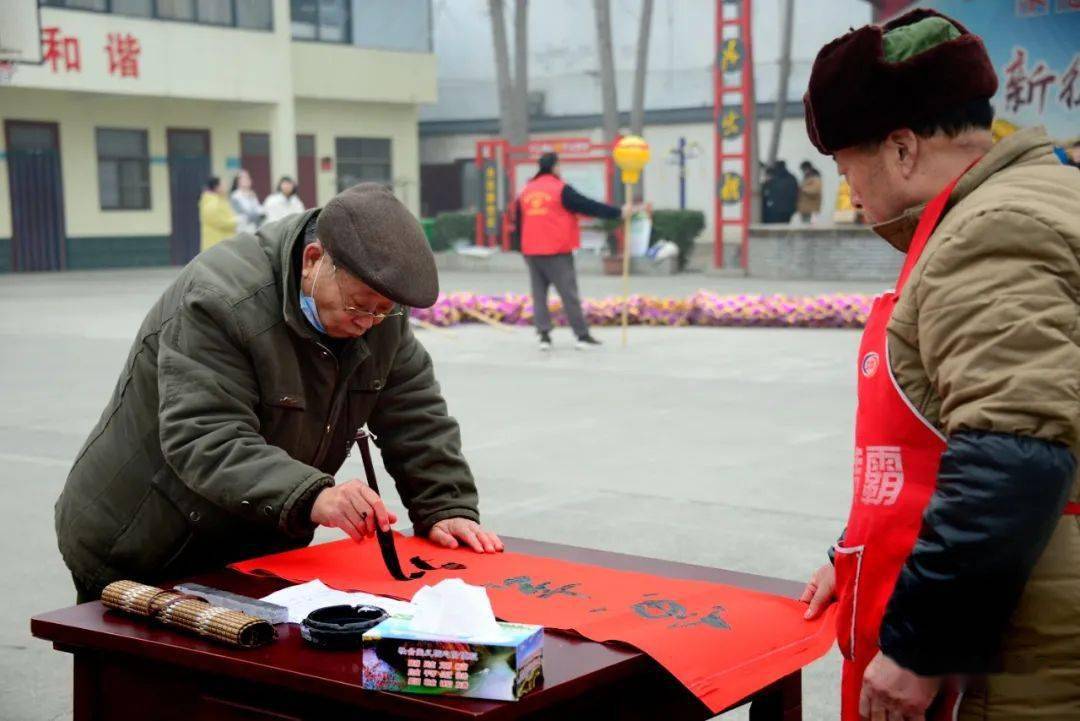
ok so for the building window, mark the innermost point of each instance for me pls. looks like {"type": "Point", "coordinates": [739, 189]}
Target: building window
{"type": "Point", "coordinates": [305, 19]}
{"type": "Point", "coordinates": [254, 14]}
{"type": "Point", "coordinates": [246, 14]}
{"type": "Point", "coordinates": [123, 169]}
{"type": "Point", "coordinates": [325, 20]}
{"type": "Point", "coordinates": [362, 160]}
{"type": "Point", "coordinates": [138, 8]}
{"type": "Point", "coordinates": [97, 5]}
{"type": "Point", "coordinates": [401, 25]}
{"type": "Point", "coordinates": [214, 12]}
{"type": "Point", "coordinates": [176, 9]}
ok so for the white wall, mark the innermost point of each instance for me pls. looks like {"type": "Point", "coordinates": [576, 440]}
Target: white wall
{"type": "Point", "coordinates": [178, 60]}
{"type": "Point", "coordinates": [78, 115]}
{"type": "Point", "coordinates": [328, 71]}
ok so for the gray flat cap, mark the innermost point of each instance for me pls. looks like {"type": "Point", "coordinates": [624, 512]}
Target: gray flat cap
{"type": "Point", "coordinates": [371, 234]}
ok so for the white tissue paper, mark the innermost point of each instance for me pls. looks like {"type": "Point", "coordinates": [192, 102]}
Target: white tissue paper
{"type": "Point", "coordinates": [454, 608]}
{"type": "Point", "coordinates": [304, 598]}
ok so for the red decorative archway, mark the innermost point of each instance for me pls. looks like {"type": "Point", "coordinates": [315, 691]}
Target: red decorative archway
{"type": "Point", "coordinates": [497, 163]}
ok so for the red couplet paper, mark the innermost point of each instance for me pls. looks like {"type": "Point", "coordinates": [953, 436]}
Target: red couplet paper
{"type": "Point", "coordinates": [723, 643]}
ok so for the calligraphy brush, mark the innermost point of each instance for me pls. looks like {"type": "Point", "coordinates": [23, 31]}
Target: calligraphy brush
{"type": "Point", "coordinates": [386, 538]}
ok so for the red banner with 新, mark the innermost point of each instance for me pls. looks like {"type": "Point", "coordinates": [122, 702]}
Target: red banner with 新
{"type": "Point", "coordinates": [723, 643]}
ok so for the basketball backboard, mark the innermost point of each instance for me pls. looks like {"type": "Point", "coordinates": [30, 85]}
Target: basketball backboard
{"type": "Point", "coordinates": [20, 32]}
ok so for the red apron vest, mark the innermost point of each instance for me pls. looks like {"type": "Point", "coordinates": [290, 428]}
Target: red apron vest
{"type": "Point", "coordinates": [547, 228]}
{"type": "Point", "coordinates": [897, 453]}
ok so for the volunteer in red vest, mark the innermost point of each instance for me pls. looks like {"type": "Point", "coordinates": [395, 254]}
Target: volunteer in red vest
{"type": "Point", "coordinates": [547, 211]}
{"type": "Point", "coordinates": [957, 577]}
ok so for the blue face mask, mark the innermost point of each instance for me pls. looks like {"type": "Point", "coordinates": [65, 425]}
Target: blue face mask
{"type": "Point", "coordinates": [307, 303]}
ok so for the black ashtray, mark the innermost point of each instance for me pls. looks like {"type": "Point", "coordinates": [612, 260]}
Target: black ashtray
{"type": "Point", "coordinates": [340, 628]}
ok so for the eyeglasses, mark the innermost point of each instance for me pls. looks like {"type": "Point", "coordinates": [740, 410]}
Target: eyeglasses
{"type": "Point", "coordinates": [357, 313]}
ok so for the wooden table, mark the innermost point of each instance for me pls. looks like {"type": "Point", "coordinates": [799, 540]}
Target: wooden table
{"type": "Point", "coordinates": [126, 668]}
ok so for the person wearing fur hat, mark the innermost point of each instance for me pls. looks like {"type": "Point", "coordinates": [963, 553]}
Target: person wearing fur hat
{"type": "Point", "coordinates": [243, 393]}
{"type": "Point", "coordinates": [957, 577]}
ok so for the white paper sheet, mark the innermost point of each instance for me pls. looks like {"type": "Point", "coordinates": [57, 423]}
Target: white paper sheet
{"type": "Point", "coordinates": [640, 231]}
{"type": "Point", "coordinates": [304, 598]}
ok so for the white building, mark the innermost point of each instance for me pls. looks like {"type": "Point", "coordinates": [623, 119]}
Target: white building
{"type": "Point", "coordinates": [108, 143]}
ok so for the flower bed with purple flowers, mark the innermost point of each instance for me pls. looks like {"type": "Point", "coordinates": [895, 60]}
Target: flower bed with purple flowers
{"type": "Point", "coordinates": [701, 309]}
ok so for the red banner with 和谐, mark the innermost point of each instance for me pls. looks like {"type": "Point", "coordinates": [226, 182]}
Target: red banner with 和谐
{"type": "Point", "coordinates": [723, 643]}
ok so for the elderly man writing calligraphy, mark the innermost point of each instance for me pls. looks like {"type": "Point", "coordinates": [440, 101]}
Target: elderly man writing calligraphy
{"type": "Point", "coordinates": [243, 391]}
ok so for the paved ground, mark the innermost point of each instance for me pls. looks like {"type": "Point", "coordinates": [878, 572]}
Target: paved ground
{"type": "Point", "coordinates": [713, 446]}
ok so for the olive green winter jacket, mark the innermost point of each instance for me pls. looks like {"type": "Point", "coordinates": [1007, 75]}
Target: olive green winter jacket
{"type": "Point", "coordinates": [231, 414]}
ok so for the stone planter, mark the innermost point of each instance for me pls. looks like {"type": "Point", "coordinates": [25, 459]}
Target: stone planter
{"type": "Point", "coordinates": [613, 264]}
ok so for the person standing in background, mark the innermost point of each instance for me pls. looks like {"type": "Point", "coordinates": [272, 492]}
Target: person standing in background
{"type": "Point", "coordinates": [245, 203]}
{"type": "Point", "coordinates": [285, 201]}
{"type": "Point", "coordinates": [809, 203]}
{"type": "Point", "coordinates": [546, 213]}
{"type": "Point", "coordinates": [216, 217]}
{"type": "Point", "coordinates": [779, 194]}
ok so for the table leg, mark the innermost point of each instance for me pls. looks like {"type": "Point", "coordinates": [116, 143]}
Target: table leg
{"type": "Point", "coordinates": [651, 695]}
{"type": "Point", "coordinates": [87, 687]}
{"type": "Point", "coordinates": [781, 701]}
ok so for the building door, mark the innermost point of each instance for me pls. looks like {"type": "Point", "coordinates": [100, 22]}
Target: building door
{"type": "Point", "coordinates": [37, 195]}
{"type": "Point", "coordinates": [189, 169]}
{"type": "Point", "coordinates": [305, 170]}
{"type": "Point", "coordinates": [440, 188]}
{"type": "Point", "coordinates": [255, 158]}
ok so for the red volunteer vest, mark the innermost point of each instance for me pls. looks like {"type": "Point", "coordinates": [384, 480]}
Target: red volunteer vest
{"type": "Point", "coordinates": [897, 453]}
{"type": "Point", "coordinates": [547, 228]}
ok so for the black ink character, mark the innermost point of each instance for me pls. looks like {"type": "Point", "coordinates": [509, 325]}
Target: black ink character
{"type": "Point", "coordinates": [540, 590]}
{"type": "Point", "coordinates": [715, 618]}
{"type": "Point", "coordinates": [426, 566]}
{"type": "Point", "coordinates": [683, 618]}
{"type": "Point", "coordinates": [660, 609]}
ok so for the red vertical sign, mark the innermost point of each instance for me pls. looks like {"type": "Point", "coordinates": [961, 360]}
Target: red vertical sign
{"type": "Point", "coordinates": [733, 123]}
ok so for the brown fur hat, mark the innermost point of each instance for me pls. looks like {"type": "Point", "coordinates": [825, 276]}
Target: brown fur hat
{"type": "Point", "coordinates": [857, 96]}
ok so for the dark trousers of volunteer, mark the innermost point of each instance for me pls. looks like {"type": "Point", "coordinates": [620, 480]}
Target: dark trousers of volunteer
{"type": "Point", "coordinates": [557, 270]}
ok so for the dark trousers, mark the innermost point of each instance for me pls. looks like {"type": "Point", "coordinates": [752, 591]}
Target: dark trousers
{"type": "Point", "coordinates": [557, 270]}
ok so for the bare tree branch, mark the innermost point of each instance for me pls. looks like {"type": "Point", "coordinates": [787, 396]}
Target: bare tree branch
{"type": "Point", "coordinates": [637, 109]}
{"type": "Point", "coordinates": [520, 92]}
{"type": "Point", "coordinates": [785, 76]}
{"type": "Point", "coordinates": [607, 69]}
{"type": "Point", "coordinates": [502, 68]}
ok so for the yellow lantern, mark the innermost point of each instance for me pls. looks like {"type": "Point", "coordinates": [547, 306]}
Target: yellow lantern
{"type": "Point", "coordinates": [631, 154]}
